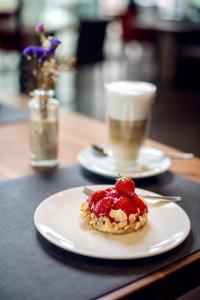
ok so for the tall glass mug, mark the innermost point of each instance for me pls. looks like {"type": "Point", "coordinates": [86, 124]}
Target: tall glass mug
{"type": "Point", "coordinates": [128, 112]}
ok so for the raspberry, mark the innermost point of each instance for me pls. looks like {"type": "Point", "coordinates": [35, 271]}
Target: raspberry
{"type": "Point", "coordinates": [138, 201]}
{"type": "Point", "coordinates": [96, 196]}
{"type": "Point", "coordinates": [103, 207]}
{"type": "Point", "coordinates": [112, 192]}
{"type": "Point", "coordinates": [126, 204]}
{"type": "Point", "coordinates": [108, 190]}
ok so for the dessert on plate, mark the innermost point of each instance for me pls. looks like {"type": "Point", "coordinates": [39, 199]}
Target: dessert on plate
{"type": "Point", "coordinates": [117, 209]}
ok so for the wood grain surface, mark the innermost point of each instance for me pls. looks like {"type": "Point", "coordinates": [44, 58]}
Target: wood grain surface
{"type": "Point", "coordinates": [75, 132]}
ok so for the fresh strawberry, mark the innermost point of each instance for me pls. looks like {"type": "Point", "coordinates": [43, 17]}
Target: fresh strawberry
{"type": "Point", "coordinates": [96, 196]}
{"type": "Point", "coordinates": [103, 207]}
{"type": "Point", "coordinates": [138, 201]}
{"type": "Point", "coordinates": [126, 204]}
{"type": "Point", "coordinates": [125, 186]}
{"type": "Point", "coordinates": [112, 192]}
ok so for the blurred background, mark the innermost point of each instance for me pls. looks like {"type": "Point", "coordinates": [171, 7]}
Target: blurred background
{"type": "Point", "coordinates": [150, 40]}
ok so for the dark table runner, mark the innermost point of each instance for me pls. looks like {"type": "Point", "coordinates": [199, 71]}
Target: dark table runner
{"type": "Point", "coordinates": [32, 268]}
{"type": "Point", "coordinates": [10, 114]}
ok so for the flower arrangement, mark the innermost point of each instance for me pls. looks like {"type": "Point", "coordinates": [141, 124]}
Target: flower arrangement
{"type": "Point", "coordinates": [45, 66]}
{"type": "Point", "coordinates": [43, 106]}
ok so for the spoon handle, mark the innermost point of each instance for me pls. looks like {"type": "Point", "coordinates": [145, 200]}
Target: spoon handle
{"type": "Point", "coordinates": [105, 151]}
{"type": "Point", "coordinates": [181, 155]}
{"type": "Point", "coordinates": [162, 198]}
{"type": "Point", "coordinates": [89, 192]}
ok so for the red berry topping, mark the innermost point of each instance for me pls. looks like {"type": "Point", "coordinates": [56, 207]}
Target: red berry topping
{"type": "Point", "coordinates": [96, 196]}
{"type": "Point", "coordinates": [103, 207]}
{"type": "Point", "coordinates": [112, 192]}
{"type": "Point", "coordinates": [126, 204]}
{"type": "Point", "coordinates": [138, 201]}
{"type": "Point", "coordinates": [125, 186]}
{"type": "Point", "coordinates": [108, 190]}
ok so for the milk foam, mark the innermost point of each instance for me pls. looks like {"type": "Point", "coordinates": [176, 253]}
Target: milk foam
{"type": "Point", "coordinates": [129, 101]}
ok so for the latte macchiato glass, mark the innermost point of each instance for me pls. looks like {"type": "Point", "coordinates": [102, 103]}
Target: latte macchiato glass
{"type": "Point", "coordinates": [128, 111]}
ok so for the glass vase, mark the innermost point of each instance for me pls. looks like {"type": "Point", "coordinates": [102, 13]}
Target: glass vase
{"type": "Point", "coordinates": [43, 129]}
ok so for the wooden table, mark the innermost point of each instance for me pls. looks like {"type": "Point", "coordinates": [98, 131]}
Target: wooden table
{"type": "Point", "coordinates": [77, 132]}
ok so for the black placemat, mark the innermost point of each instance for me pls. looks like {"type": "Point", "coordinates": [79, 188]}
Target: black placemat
{"type": "Point", "coordinates": [10, 114]}
{"type": "Point", "coordinates": [32, 268]}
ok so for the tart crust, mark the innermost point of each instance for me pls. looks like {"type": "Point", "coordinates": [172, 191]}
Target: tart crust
{"type": "Point", "coordinates": [104, 224]}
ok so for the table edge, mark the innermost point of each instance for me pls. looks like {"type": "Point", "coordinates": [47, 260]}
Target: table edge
{"type": "Point", "coordinates": [146, 281]}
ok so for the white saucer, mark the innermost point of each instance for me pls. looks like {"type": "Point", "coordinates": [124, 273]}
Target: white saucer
{"type": "Point", "coordinates": [151, 162]}
{"type": "Point", "coordinates": [58, 220]}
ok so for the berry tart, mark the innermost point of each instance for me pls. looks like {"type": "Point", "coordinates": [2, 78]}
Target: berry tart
{"type": "Point", "coordinates": [117, 209]}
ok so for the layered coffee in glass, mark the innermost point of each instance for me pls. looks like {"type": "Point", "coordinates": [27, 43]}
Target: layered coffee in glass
{"type": "Point", "coordinates": [128, 112]}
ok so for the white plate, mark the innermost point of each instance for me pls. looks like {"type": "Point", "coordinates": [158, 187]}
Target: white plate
{"type": "Point", "coordinates": [58, 219]}
{"type": "Point", "coordinates": [151, 162]}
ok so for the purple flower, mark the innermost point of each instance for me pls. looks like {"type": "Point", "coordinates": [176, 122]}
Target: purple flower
{"type": "Point", "coordinates": [42, 53]}
{"type": "Point", "coordinates": [39, 27]}
{"type": "Point", "coordinates": [44, 56]}
{"type": "Point", "coordinates": [34, 50]}
{"type": "Point", "coordinates": [28, 51]}
{"type": "Point", "coordinates": [54, 43]}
